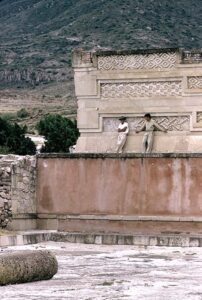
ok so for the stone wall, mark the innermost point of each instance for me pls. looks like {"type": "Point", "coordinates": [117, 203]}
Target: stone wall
{"type": "Point", "coordinates": [120, 193]}
{"type": "Point", "coordinates": [129, 193]}
{"type": "Point", "coordinates": [18, 190]}
{"type": "Point", "coordinates": [5, 194]}
{"type": "Point", "coordinates": [164, 82]}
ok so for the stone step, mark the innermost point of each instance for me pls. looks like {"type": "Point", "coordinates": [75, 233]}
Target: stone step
{"type": "Point", "coordinates": [169, 240]}
{"type": "Point", "coordinates": [25, 238]}
{"type": "Point", "coordinates": [166, 240]}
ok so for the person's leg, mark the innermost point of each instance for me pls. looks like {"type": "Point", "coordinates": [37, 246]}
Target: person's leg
{"type": "Point", "coordinates": [118, 148]}
{"type": "Point", "coordinates": [118, 143]}
{"type": "Point", "coordinates": [150, 142]}
{"type": "Point", "coordinates": [144, 143]}
{"type": "Point", "coordinates": [123, 142]}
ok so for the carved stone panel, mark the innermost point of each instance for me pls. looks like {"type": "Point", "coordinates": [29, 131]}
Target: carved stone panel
{"type": "Point", "coordinates": [171, 123]}
{"type": "Point", "coordinates": [141, 89]}
{"type": "Point", "coordinates": [138, 61]}
{"type": "Point", "coordinates": [195, 82]}
{"type": "Point", "coordinates": [192, 56]}
{"type": "Point", "coordinates": [199, 116]}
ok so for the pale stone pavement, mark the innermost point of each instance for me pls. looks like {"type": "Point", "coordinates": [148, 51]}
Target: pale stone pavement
{"type": "Point", "coordinates": [100, 272]}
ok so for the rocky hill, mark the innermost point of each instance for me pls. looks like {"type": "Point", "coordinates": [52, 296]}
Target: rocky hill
{"type": "Point", "coordinates": [37, 36]}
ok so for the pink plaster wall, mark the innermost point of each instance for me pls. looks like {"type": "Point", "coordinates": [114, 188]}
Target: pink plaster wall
{"type": "Point", "coordinates": [129, 186]}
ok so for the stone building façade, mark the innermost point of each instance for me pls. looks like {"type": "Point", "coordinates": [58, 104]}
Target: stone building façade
{"type": "Point", "coordinates": [164, 82]}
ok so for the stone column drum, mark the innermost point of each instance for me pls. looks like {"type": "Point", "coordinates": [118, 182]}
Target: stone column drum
{"type": "Point", "coordinates": [27, 266]}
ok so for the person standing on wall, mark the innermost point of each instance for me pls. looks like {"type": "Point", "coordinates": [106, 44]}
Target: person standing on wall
{"type": "Point", "coordinates": [123, 131]}
{"type": "Point", "coordinates": [149, 126]}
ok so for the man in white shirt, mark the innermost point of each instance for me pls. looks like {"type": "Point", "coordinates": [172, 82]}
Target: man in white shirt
{"type": "Point", "coordinates": [149, 126]}
{"type": "Point", "coordinates": [123, 131]}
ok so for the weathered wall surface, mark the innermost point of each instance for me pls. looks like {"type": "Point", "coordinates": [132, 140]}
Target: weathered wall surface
{"type": "Point", "coordinates": [166, 83]}
{"type": "Point", "coordinates": [5, 193]}
{"type": "Point", "coordinates": [18, 189]}
{"type": "Point", "coordinates": [155, 187]}
{"type": "Point", "coordinates": [23, 191]}
{"type": "Point", "coordinates": [103, 192]}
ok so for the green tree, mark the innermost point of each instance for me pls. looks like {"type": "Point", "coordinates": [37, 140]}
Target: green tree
{"type": "Point", "coordinates": [13, 140]}
{"type": "Point", "coordinates": [22, 113]}
{"type": "Point", "coordinates": [60, 133]}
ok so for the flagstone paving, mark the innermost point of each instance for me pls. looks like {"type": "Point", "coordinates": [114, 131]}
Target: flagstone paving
{"type": "Point", "coordinates": [89, 272]}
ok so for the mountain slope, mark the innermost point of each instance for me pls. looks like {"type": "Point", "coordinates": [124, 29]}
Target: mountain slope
{"type": "Point", "coordinates": [41, 33]}
{"type": "Point", "coordinates": [37, 36]}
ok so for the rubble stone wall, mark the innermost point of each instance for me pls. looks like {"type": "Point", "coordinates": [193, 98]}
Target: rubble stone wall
{"type": "Point", "coordinates": [17, 188]}
{"type": "Point", "coordinates": [5, 194]}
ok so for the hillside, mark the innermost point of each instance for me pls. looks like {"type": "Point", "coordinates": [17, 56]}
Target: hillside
{"type": "Point", "coordinates": [37, 36]}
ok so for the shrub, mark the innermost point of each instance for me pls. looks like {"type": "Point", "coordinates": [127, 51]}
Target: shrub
{"type": "Point", "coordinates": [22, 113]}
{"type": "Point", "coordinates": [4, 150]}
{"type": "Point", "coordinates": [60, 133]}
{"type": "Point", "coordinates": [13, 140]}
{"type": "Point", "coordinates": [8, 116]}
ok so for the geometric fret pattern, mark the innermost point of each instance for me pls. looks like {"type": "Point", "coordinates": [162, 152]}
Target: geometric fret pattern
{"type": "Point", "coordinates": [141, 89]}
{"type": "Point", "coordinates": [195, 82]}
{"type": "Point", "coordinates": [171, 123]}
{"type": "Point", "coordinates": [138, 61]}
{"type": "Point", "coordinates": [199, 116]}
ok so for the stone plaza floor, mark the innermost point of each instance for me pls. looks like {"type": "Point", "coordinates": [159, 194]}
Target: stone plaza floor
{"type": "Point", "coordinates": [95, 272]}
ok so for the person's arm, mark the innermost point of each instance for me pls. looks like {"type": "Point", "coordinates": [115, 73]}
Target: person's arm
{"type": "Point", "coordinates": [142, 128]}
{"type": "Point", "coordinates": [123, 129]}
{"type": "Point", "coordinates": [157, 126]}
{"type": "Point", "coordinates": [127, 128]}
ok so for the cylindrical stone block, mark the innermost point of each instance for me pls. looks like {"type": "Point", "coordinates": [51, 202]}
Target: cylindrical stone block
{"type": "Point", "coordinates": [27, 266]}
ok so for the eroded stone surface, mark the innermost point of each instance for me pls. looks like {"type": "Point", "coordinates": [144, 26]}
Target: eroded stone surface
{"type": "Point", "coordinates": [88, 272]}
{"type": "Point", "coordinates": [27, 266]}
{"type": "Point", "coordinates": [17, 187]}
{"type": "Point", "coordinates": [164, 82]}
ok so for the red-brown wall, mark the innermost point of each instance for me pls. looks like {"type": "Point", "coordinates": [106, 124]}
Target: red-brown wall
{"type": "Point", "coordinates": [159, 185]}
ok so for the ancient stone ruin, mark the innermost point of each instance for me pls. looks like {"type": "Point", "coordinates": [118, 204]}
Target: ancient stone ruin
{"type": "Point", "coordinates": [164, 82]}
{"type": "Point", "coordinates": [132, 192]}
{"type": "Point", "coordinates": [5, 194]}
{"type": "Point", "coordinates": [27, 266]}
{"type": "Point", "coordinates": [17, 189]}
